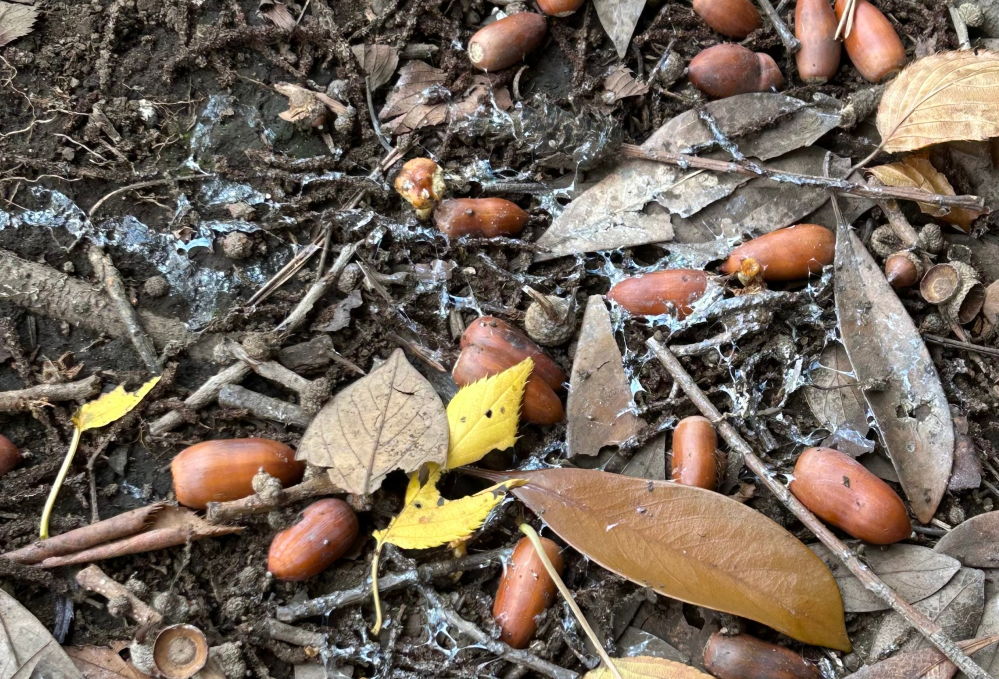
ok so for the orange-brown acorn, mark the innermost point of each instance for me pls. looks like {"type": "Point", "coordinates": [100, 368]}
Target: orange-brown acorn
{"type": "Point", "coordinates": [694, 444]}
{"type": "Point", "coordinates": [661, 292]}
{"type": "Point", "coordinates": [499, 337]}
{"type": "Point", "coordinates": [729, 69]}
{"type": "Point", "coordinates": [815, 27]}
{"type": "Point", "coordinates": [873, 44]}
{"type": "Point", "coordinates": [505, 42]}
{"type": "Point", "coordinates": [489, 217]}
{"type": "Point", "coordinates": [327, 530]}
{"type": "Point", "coordinates": [10, 455]}
{"type": "Point", "coordinates": [541, 404]}
{"type": "Point", "coordinates": [525, 591]}
{"type": "Point", "coordinates": [559, 8]}
{"type": "Point", "coordinates": [421, 183]}
{"type": "Point", "coordinates": [787, 254]}
{"type": "Point", "coordinates": [732, 18]}
{"type": "Point", "coordinates": [746, 657]}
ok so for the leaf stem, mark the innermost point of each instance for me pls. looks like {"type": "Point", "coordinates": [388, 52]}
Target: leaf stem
{"type": "Point", "coordinates": [532, 535]}
{"type": "Point", "coordinates": [57, 484]}
{"type": "Point", "coordinates": [374, 590]}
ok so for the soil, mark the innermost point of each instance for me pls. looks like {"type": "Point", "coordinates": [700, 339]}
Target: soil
{"type": "Point", "coordinates": [107, 94]}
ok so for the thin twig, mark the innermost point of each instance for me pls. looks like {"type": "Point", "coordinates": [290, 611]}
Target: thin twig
{"type": "Point", "coordinates": [111, 279]}
{"type": "Point", "coordinates": [791, 43]}
{"type": "Point", "coordinates": [967, 346]}
{"type": "Point", "coordinates": [93, 579]}
{"type": "Point", "coordinates": [960, 27]}
{"type": "Point", "coordinates": [264, 407]}
{"type": "Point", "coordinates": [22, 400]}
{"type": "Point", "coordinates": [929, 629]}
{"type": "Point", "coordinates": [146, 185]}
{"type": "Point", "coordinates": [318, 486]}
{"type": "Point", "coordinates": [845, 26]}
{"type": "Point", "coordinates": [374, 119]}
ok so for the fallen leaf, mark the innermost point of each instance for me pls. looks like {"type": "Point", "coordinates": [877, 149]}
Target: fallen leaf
{"type": "Point", "coordinates": [927, 663]}
{"type": "Point", "coordinates": [110, 406]}
{"type": "Point", "coordinates": [620, 83]}
{"type": "Point", "coordinates": [600, 410]}
{"type": "Point", "coordinates": [946, 96]}
{"type": "Point", "coordinates": [646, 667]}
{"type": "Point", "coordinates": [837, 403]}
{"type": "Point", "coordinates": [897, 376]}
{"type": "Point", "coordinates": [27, 650]}
{"type": "Point", "coordinates": [988, 656]}
{"type": "Point", "coordinates": [341, 312]}
{"type": "Point", "coordinates": [390, 419]}
{"type": "Point", "coordinates": [649, 462]}
{"type": "Point", "coordinates": [483, 416]}
{"type": "Point", "coordinates": [689, 544]}
{"type": "Point", "coordinates": [377, 61]}
{"type": "Point", "coordinates": [975, 542]}
{"type": "Point", "coordinates": [619, 18]}
{"type": "Point", "coordinates": [16, 21]}
{"type": "Point", "coordinates": [913, 572]}
{"type": "Point", "coordinates": [967, 471]}
{"type": "Point", "coordinates": [918, 173]}
{"type": "Point", "coordinates": [278, 13]}
{"type": "Point", "coordinates": [100, 662]}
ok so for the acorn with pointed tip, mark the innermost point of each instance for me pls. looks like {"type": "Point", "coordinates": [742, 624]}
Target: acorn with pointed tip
{"type": "Point", "coordinates": [873, 44]}
{"type": "Point", "coordinates": [695, 443]}
{"type": "Point", "coordinates": [507, 41]}
{"type": "Point", "coordinates": [787, 254]}
{"type": "Point", "coordinates": [673, 291]}
{"type": "Point", "coordinates": [326, 531]}
{"type": "Point", "coordinates": [525, 591]}
{"type": "Point", "coordinates": [815, 27]}
{"type": "Point", "coordinates": [421, 183]}
{"type": "Point", "coordinates": [732, 18]}
{"type": "Point", "coordinates": [746, 657]}
{"type": "Point", "coordinates": [729, 69]}
{"type": "Point", "coordinates": [903, 269]}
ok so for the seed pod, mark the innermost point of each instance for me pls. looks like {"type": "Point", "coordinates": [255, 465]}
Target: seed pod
{"type": "Point", "coordinates": [815, 27]}
{"type": "Point", "coordinates": [9, 455]}
{"type": "Point", "coordinates": [541, 404]}
{"type": "Point", "coordinates": [488, 217]}
{"type": "Point", "coordinates": [223, 470]}
{"type": "Point", "coordinates": [694, 445]}
{"type": "Point", "coordinates": [180, 651]}
{"type": "Point", "coordinates": [661, 292]}
{"type": "Point", "coordinates": [503, 43]}
{"type": "Point", "coordinates": [421, 183]}
{"type": "Point", "coordinates": [726, 70]}
{"type": "Point", "coordinates": [873, 45]}
{"type": "Point", "coordinates": [327, 530]}
{"type": "Point", "coordinates": [840, 490]}
{"type": "Point", "coordinates": [732, 18]}
{"type": "Point", "coordinates": [903, 269]}
{"type": "Point", "coordinates": [550, 321]}
{"type": "Point", "coordinates": [514, 346]}
{"type": "Point", "coordinates": [525, 591]}
{"type": "Point", "coordinates": [746, 657]}
{"type": "Point", "coordinates": [787, 254]}
{"type": "Point", "coordinates": [559, 8]}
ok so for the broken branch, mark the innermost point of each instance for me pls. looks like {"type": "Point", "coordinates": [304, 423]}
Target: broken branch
{"type": "Point", "coordinates": [318, 486]}
{"type": "Point", "coordinates": [22, 400]}
{"type": "Point", "coordinates": [264, 407]}
{"type": "Point", "coordinates": [93, 579]}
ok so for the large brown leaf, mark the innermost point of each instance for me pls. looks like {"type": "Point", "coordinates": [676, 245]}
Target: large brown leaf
{"type": "Point", "coordinates": [390, 419]}
{"type": "Point", "coordinates": [27, 650]}
{"type": "Point", "coordinates": [975, 542]}
{"type": "Point", "coordinates": [690, 544]}
{"type": "Point", "coordinates": [101, 662]}
{"type": "Point", "coordinates": [896, 375]}
{"type": "Point", "coordinates": [947, 96]}
{"type": "Point", "coordinates": [928, 663]}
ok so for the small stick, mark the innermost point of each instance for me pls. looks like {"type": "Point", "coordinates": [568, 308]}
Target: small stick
{"type": "Point", "coordinates": [791, 43]}
{"type": "Point", "coordinates": [146, 185]}
{"type": "Point", "coordinates": [374, 119]}
{"type": "Point", "coordinates": [264, 407]}
{"type": "Point", "coordinates": [955, 344]}
{"type": "Point", "coordinates": [22, 400]}
{"type": "Point", "coordinates": [929, 629]}
{"type": "Point", "coordinates": [845, 26]}
{"type": "Point", "coordinates": [960, 27]}
{"type": "Point", "coordinates": [111, 278]}
{"type": "Point", "coordinates": [279, 631]}
{"type": "Point", "coordinates": [93, 579]}
{"type": "Point", "coordinates": [317, 486]}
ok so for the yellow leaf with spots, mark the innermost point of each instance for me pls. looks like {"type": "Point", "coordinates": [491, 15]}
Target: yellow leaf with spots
{"type": "Point", "coordinates": [110, 406]}
{"type": "Point", "coordinates": [647, 667]}
{"type": "Point", "coordinates": [483, 416]}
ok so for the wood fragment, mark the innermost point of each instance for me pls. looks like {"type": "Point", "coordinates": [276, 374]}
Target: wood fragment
{"type": "Point", "coordinates": [264, 407]}
{"type": "Point", "coordinates": [23, 400]}
{"type": "Point", "coordinates": [93, 579]}
{"type": "Point", "coordinates": [318, 486]}
{"type": "Point", "coordinates": [791, 43]}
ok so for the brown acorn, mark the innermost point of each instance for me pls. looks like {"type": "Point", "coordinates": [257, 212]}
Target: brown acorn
{"type": "Point", "coordinates": [514, 346]}
{"type": "Point", "coordinates": [873, 45]}
{"type": "Point", "coordinates": [525, 591]}
{"type": "Point", "coordinates": [729, 69]}
{"type": "Point", "coordinates": [488, 217]}
{"type": "Point", "coordinates": [327, 530]}
{"type": "Point", "coordinates": [787, 254]}
{"type": "Point", "coordinates": [903, 269]}
{"type": "Point", "coordinates": [503, 43]}
{"type": "Point", "coordinates": [746, 657]}
{"type": "Point", "coordinates": [661, 292]}
{"type": "Point", "coordinates": [842, 492]}
{"type": "Point", "coordinates": [559, 8]}
{"type": "Point", "coordinates": [541, 404]}
{"type": "Point", "coordinates": [10, 455]}
{"type": "Point", "coordinates": [421, 183]}
{"type": "Point", "coordinates": [732, 18]}
{"type": "Point", "coordinates": [815, 27]}
{"type": "Point", "coordinates": [694, 444]}
{"type": "Point", "coordinates": [222, 470]}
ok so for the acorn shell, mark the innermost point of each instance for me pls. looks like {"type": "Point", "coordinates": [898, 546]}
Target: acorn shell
{"type": "Point", "coordinates": [180, 651]}
{"type": "Point", "coordinates": [661, 292]}
{"type": "Point", "coordinates": [507, 41]}
{"type": "Point", "coordinates": [787, 254]}
{"type": "Point", "coordinates": [326, 531]}
{"type": "Point", "coordinates": [525, 591]}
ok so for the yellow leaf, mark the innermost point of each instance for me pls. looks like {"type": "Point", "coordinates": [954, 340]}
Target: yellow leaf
{"type": "Point", "coordinates": [918, 172]}
{"type": "Point", "coordinates": [110, 406]}
{"type": "Point", "coordinates": [647, 667]}
{"type": "Point", "coordinates": [483, 416]}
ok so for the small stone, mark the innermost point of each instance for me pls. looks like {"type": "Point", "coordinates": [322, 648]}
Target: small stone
{"type": "Point", "coordinates": [349, 279]}
{"type": "Point", "coordinates": [241, 210]}
{"type": "Point", "coordinates": [155, 287]}
{"type": "Point", "coordinates": [68, 155]}
{"type": "Point", "coordinates": [67, 267]}
{"type": "Point", "coordinates": [237, 245]}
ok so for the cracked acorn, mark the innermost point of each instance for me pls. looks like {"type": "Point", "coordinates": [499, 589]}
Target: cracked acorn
{"type": "Point", "coordinates": [726, 70]}
{"type": "Point", "coordinates": [505, 42]}
{"type": "Point", "coordinates": [421, 184]}
{"type": "Point", "coordinates": [787, 254]}
{"type": "Point", "coordinates": [873, 45]}
{"type": "Point", "coordinates": [732, 18]}
{"type": "Point", "coordinates": [525, 591]}
{"type": "Point", "coordinates": [326, 531]}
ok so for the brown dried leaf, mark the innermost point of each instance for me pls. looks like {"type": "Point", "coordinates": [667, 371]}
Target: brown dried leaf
{"type": "Point", "coordinates": [975, 542]}
{"type": "Point", "coordinates": [377, 61]}
{"type": "Point", "coordinates": [99, 662]}
{"type": "Point", "coordinates": [619, 18]}
{"type": "Point", "coordinates": [390, 419]}
{"type": "Point", "coordinates": [16, 21]}
{"type": "Point", "coordinates": [988, 656]}
{"type": "Point", "coordinates": [918, 173]}
{"type": "Point", "coordinates": [913, 572]}
{"type": "Point", "coordinates": [278, 13]}
{"type": "Point", "coordinates": [620, 83]}
{"type": "Point", "coordinates": [600, 410]}
{"type": "Point", "coordinates": [418, 100]}
{"type": "Point", "coordinates": [690, 544]}
{"type": "Point", "coordinates": [927, 663]}
{"type": "Point", "coordinates": [27, 650]}
{"type": "Point", "coordinates": [303, 103]}
{"type": "Point", "coordinates": [947, 96]}
{"type": "Point", "coordinates": [838, 404]}
{"type": "Point", "coordinates": [897, 376]}
{"type": "Point", "coordinates": [647, 667]}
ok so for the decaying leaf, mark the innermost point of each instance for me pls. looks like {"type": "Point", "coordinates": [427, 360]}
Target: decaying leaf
{"type": "Point", "coordinates": [649, 462]}
{"type": "Point", "coordinates": [16, 21]}
{"type": "Point", "coordinates": [646, 667]}
{"type": "Point", "coordinates": [918, 172]}
{"type": "Point", "coordinates": [111, 406]}
{"type": "Point", "coordinates": [975, 542]}
{"type": "Point", "coordinates": [927, 663]}
{"type": "Point", "coordinates": [620, 83]}
{"type": "Point", "coordinates": [913, 572]}
{"type": "Point", "coordinates": [483, 416]}
{"type": "Point", "coordinates": [897, 376]}
{"type": "Point", "coordinates": [988, 656]}
{"type": "Point", "coordinates": [947, 96]}
{"type": "Point", "coordinates": [390, 419]}
{"type": "Point", "coordinates": [600, 410]}
{"type": "Point", "coordinates": [100, 662]}
{"type": "Point", "coordinates": [278, 13]}
{"type": "Point", "coordinates": [837, 403]}
{"type": "Point", "coordinates": [690, 544]}
{"type": "Point", "coordinates": [27, 650]}
{"type": "Point", "coordinates": [377, 61]}
{"type": "Point", "coordinates": [619, 18]}
{"type": "Point", "coordinates": [304, 104]}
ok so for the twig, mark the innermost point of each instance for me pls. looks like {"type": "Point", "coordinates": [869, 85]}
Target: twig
{"type": "Point", "coordinates": [145, 185]}
{"type": "Point", "coordinates": [317, 486]}
{"type": "Point", "coordinates": [872, 582]}
{"type": "Point", "coordinates": [111, 278]}
{"type": "Point", "coordinates": [300, 259]}
{"type": "Point", "coordinates": [839, 185]}
{"type": "Point", "coordinates": [264, 407]}
{"type": "Point", "coordinates": [960, 27]}
{"type": "Point", "coordinates": [791, 43]}
{"type": "Point", "coordinates": [290, 634]}
{"type": "Point", "coordinates": [374, 119]}
{"type": "Point", "coordinates": [93, 579]}
{"type": "Point", "coordinates": [22, 400]}
{"type": "Point", "coordinates": [967, 346]}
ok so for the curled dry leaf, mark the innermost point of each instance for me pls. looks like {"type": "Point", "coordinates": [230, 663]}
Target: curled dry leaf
{"type": "Point", "coordinates": [16, 21]}
{"type": "Point", "coordinates": [390, 419]}
{"type": "Point", "coordinates": [377, 61]}
{"type": "Point", "coordinates": [620, 83]}
{"type": "Point", "coordinates": [947, 96]}
{"type": "Point", "coordinates": [26, 648]}
{"type": "Point", "coordinates": [647, 667]}
{"type": "Point", "coordinates": [690, 544]}
{"type": "Point", "coordinates": [837, 403]}
{"type": "Point", "coordinates": [100, 662]}
{"type": "Point", "coordinates": [927, 663]}
{"type": "Point", "coordinates": [975, 542]}
{"type": "Point", "coordinates": [918, 173]}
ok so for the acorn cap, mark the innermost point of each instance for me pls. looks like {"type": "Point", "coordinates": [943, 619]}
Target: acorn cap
{"type": "Point", "coordinates": [940, 283]}
{"type": "Point", "coordinates": [990, 308]}
{"type": "Point", "coordinates": [967, 301]}
{"type": "Point", "coordinates": [550, 321]}
{"type": "Point", "coordinates": [180, 651]}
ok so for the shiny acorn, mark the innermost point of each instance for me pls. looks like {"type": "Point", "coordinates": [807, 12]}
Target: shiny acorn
{"type": "Point", "coordinates": [559, 8]}
{"type": "Point", "coordinates": [501, 338]}
{"type": "Point", "coordinates": [694, 445]}
{"type": "Point", "coordinates": [505, 42]}
{"type": "Point", "coordinates": [222, 470]}
{"type": "Point", "coordinates": [661, 292]}
{"type": "Point", "coordinates": [327, 530]}
{"type": "Point", "coordinates": [873, 44]}
{"type": "Point", "coordinates": [541, 404]}
{"type": "Point", "coordinates": [421, 183]}
{"type": "Point", "coordinates": [488, 217]}
{"type": "Point", "coordinates": [10, 455]}
{"type": "Point", "coordinates": [732, 18]}
{"type": "Point", "coordinates": [726, 70]}
{"type": "Point", "coordinates": [787, 254]}
{"type": "Point", "coordinates": [903, 269]}
{"type": "Point", "coordinates": [842, 492]}
{"type": "Point", "coordinates": [815, 27]}
{"type": "Point", "coordinates": [746, 657]}
{"type": "Point", "coordinates": [525, 591]}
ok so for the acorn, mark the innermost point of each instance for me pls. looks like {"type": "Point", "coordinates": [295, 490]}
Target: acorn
{"type": "Point", "coordinates": [903, 269]}
{"type": "Point", "coordinates": [729, 69]}
{"type": "Point", "coordinates": [541, 404]}
{"type": "Point", "coordinates": [787, 254]}
{"type": "Point", "coordinates": [873, 45]}
{"type": "Point", "coordinates": [661, 292]}
{"type": "Point", "coordinates": [327, 530]}
{"type": "Point", "coordinates": [940, 283]}
{"type": "Point", "coordinates": [842, 492]}
{"type": "Point", "coordinates": [732, 18]}
{"type": "Point", "coordinates": [550, 321]}
{"type": "Point", "coordinates": [954, 287]}
{"type": "Point", "coordinates": [815, 27]}
{"type": "Point", "coordinates": [10, 455]}
{"type": "Point", "coordinates": [488, 217]}
{"type": "Point", "coordinates": [746, 657]}
{"type": "Point", "coordinates": [222, 470]}
{"type": "Point", "coordinates": [421, 183]}
{"type": "Point", "coordinates": [525, 591]}
{"type": "Point", "coordinates": [503, 43]}
{"type": "Point", "coordinates": [559, 8]}
{"type": "Point", "coordinates": [694, 444]}
{"type": "Point", "coordinates": [180, 651]}
{"type": "Point", "coordinates": [501, 338]}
